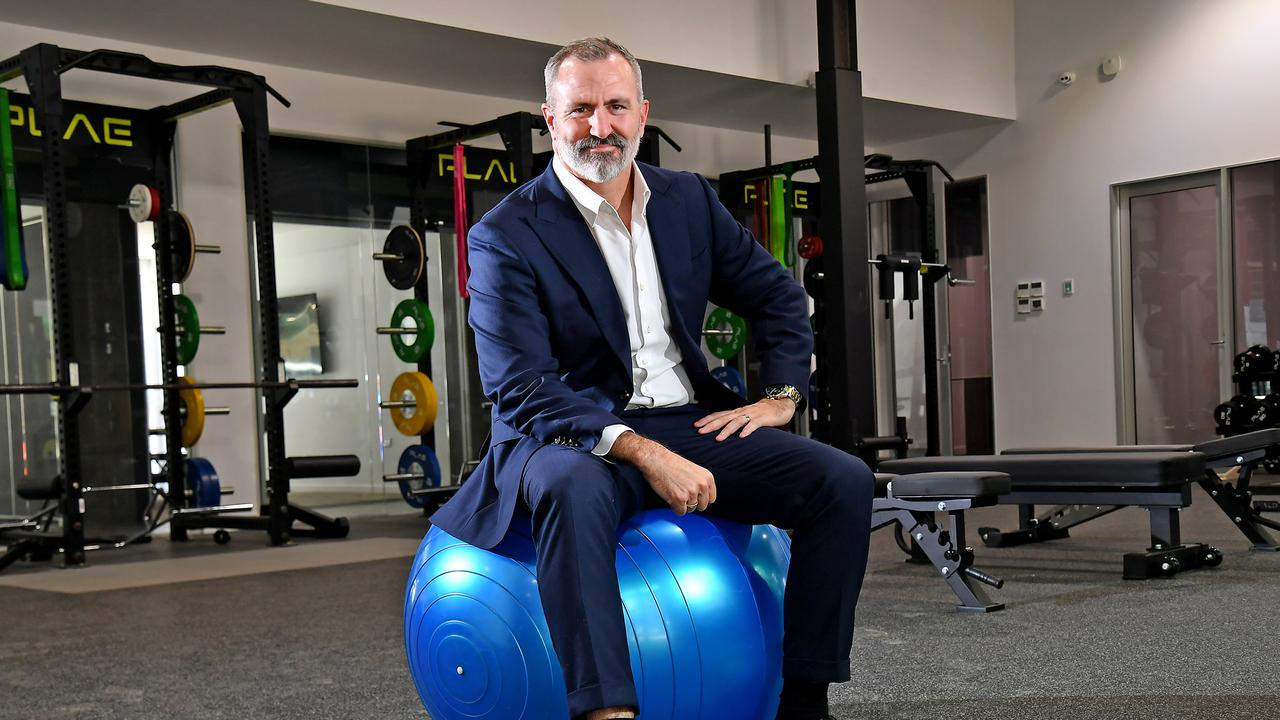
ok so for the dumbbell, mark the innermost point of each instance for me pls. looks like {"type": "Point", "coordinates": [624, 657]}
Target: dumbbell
{"type": "Point", "coordinates": [1239, 411]}
{"type": "Point", "coordinates": [1257, 359]}
{"type": "Point", "coordinates": [1268, 410]}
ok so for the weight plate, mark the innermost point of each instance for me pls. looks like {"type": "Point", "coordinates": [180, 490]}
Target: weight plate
{"type": "Point", "coordinates": [192, 403]}
{"type": "Point", "coordinates": [144, 203]}
{"type": "Point", "coordinates": [725, 346]}
{"type": "Point", "coordinates": [413, 313]}
{"type": "Point", "coordinates": [404, 241]}
{"type": "Point", "coordinates": [809, 247]}
{"type": "Point", "coordinates": [813, 278]}
{"type": "Point", "coordinates": [414, 387]}
{"type": "Point", "coordinates": [182, 244]}
{"type": "Point", "coordinates": [418, 459]}
{"type": "Point", "coordinates": [202, 479]}
{"type": "Point", "coordinates": [731, 378]}
{"type": "Point", "coordinates": [188, 320]}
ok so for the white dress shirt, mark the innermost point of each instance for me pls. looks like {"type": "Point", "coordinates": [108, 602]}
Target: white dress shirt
{"type": "Point", "coordinates": [657, 378]}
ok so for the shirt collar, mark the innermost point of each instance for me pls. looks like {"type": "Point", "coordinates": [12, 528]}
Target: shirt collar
{"type": "Point", "coordinates": [589, 202]}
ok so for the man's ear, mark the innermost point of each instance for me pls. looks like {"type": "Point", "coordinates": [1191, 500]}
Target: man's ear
{"type": "Point", "coordinates": [549, 116]}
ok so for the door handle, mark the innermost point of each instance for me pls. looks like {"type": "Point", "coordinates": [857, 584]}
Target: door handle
{"type": "Point", "coordinates": [1217, 342]}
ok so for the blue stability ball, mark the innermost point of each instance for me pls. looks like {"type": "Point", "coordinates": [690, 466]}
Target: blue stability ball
{"type": "Point", "coordinates": [703, 605]}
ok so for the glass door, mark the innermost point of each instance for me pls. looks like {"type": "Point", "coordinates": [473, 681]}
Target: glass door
{"type": "Point", "coordinates": [1174, 316]}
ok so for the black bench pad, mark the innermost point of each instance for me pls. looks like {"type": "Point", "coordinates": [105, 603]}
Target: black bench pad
{"type": "Point", "coordinates": [1098, 450]}
{"type": "Point", "coordinates": [1242, 443]}
{"type": "Point", "coordinates": [41, 489]}
{"type": "Point", "coordinates": [941, 485]}
{"type": "Point", "coordinates": [1218, 448]}
{"type": "Point", "coordinates": [1113, 471]}
{"type": "Point", "coordinates": [937, 485]}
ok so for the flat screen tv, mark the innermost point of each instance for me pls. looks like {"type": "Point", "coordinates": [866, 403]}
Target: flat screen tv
{"type": "Point", "coordinates": [300, 335]}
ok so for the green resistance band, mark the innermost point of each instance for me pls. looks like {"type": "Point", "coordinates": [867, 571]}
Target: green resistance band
{"type": "Point", "coordinates": [14, 259]}
{"type": "Point", "coordinates": [778, 218]}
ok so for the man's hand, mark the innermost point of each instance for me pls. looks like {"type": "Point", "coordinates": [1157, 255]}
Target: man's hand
{"type": "Point", "coordinates": [685, 486]}
{"type": "Point", "coordinates": [765, 413]}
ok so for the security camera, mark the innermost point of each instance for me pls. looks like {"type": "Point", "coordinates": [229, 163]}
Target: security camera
{"type": "Point", "coordinates": [1066, 77]}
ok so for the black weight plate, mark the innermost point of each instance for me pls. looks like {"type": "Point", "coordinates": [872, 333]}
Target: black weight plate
{"type": "Point", "coordinates": [404, 241]}
{"type": "Point", "coordinates": [182, 243]}
{"type": "Point", "coordinates": [812, 281]}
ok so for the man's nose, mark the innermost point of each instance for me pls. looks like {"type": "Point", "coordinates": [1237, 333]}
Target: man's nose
{"type": "Point", "coordinates": [601, 123]}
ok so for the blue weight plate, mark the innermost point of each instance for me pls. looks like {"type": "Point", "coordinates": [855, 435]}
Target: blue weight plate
{"type": "Point", "coordinates": [418, 459]}
{"type": "Point", "coordinates": [202, 478]}
{"type": "Point", "coordinates": [731, 378]}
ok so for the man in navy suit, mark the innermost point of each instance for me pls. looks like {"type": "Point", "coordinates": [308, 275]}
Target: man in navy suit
{"type": "Point", "coordinates": [588, 288]}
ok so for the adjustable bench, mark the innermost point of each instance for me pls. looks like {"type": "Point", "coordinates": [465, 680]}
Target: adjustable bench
{"type": "Point", "coordinates": [912, 501]}
{"type": "Point", "coordinates": [1157, 481]}
{"type": "Point", "coordinates": [1226, 459]}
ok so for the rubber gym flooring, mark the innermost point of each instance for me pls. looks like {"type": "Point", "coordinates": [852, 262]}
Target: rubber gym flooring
{"type": "Point", "coordinates": [314, 631]}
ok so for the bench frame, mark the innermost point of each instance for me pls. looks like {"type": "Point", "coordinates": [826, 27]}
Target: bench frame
{"type": "Point", "coordinates": [945, 548]}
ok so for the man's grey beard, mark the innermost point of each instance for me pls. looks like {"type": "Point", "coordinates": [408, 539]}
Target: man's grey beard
{"type": "Point", "coordinates": [596, 167]}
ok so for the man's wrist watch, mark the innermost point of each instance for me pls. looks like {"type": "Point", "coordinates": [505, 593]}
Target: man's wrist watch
{"type": "Point", "coordinates": [776, 392]}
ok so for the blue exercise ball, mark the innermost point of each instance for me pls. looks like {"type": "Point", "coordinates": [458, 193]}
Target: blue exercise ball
{"type": "Point", "coordinates": [703, 605]}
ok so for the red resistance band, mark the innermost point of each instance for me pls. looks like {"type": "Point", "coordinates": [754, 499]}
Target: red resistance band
{"type": "Point", "coordinates": [460, 216]}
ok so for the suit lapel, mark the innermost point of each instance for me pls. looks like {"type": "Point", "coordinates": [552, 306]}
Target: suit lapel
{"type": "Point", "coordinates": [670, 235]}
{"type": "Point", "coordinates": [560, 227]}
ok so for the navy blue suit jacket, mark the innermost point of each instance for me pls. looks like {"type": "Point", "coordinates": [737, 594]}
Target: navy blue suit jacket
{"type": "Point", "coordinates": [554, 351]}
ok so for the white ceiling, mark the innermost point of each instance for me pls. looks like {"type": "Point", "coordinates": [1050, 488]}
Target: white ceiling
{"type": "Point", "coordinates": [327, 38]}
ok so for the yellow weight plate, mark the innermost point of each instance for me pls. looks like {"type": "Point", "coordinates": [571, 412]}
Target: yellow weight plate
{"type": "Point", "coordinates": [193, 419]}
{"type": "Point", "coordinates": [417, 388]}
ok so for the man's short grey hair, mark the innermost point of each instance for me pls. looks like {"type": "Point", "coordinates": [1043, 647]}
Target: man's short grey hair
{"type": "Point", "coordinates": [591, 49]}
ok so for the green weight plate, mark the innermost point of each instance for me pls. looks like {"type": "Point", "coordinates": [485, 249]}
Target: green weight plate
{"type": "Point", "coordinates": [404, 273]}
{"type": "Point", "coordinates": [188, 328]}
{"type": "Point", "coordinates": [413, 313]}
{"type": "Point", "coordinates": [14, 264]}
{"type": "Point", "coordinates": [728, 333]}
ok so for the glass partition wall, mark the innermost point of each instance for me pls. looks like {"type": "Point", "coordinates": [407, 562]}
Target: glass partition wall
{"type": "Point", "coordinates": [1197, 280]}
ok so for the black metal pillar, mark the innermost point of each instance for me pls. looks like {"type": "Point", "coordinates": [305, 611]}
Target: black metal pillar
{"type": "Point", "coordinates": [251, 106]}
{"type": "Point", "coordinates": [174, 464]}
{"type": "Point", "coordinates": [847, 322]}
{"type": "Point", "coordinates": [40, 65]}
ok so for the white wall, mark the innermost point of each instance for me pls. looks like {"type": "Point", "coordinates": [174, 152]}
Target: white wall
{"type": "Point", "coordinates": [210, 192]}
{"type": "Point", "coordinates": [956, 55]}
{"type": "Point", "coordinates": [1197, 91]}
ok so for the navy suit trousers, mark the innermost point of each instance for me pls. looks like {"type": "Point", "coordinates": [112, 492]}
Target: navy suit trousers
{"type": "Point", "coordinates": [577, 501]}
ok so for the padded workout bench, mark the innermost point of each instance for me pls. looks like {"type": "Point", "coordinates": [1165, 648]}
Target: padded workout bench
{"type": "Point", "coordinates": [1240, 453]}
{"type": "Point", "coordinates": [912, 500]}
{"type": "Point", "coordinates": [1157, 481]}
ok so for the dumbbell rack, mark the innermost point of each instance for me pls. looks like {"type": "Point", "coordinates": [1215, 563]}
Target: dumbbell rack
{"type": "Point", "coordinates": [1256, 378]}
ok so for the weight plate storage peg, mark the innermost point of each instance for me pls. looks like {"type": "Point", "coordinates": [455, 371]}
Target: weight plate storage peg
{"type": "Point", "coordinates": [402, 257]}
{"type": "Point", "coordinates": [725, 333]}
{"type": "Point", "coordinates": [730, 378]}
{"type": "Point", "coordinates": [144, 204]}
{"type": "Point", "coordinates": [420, 461]}
{"type": "Point", "coordinates": [411, 315]}
{"type": "Point", "coordinates": [192, 404]}
{"type": "Point", "coordinates": [413, 403]}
